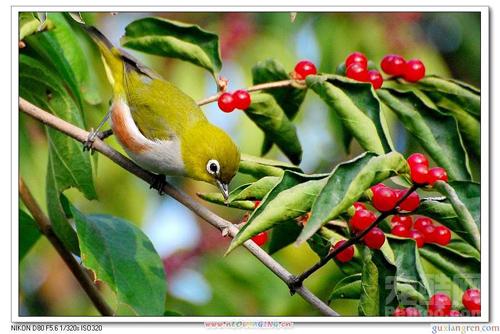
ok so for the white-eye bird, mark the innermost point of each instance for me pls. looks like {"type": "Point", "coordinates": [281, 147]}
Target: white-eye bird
{"type": "Point", "coordinates": [160, 127]}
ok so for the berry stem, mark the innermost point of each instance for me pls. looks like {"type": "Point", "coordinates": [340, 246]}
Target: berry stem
{"type": "Point", "coordinates": [267, 85]}
{"type": "Point", "coordinates": [297, 282]}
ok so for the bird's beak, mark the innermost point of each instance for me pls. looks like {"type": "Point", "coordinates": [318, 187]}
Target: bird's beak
{"type": "Point", "coordinates": [224, 189]}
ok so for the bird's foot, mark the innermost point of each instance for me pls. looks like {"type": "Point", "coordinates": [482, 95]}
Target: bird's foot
{"type": "Point", "coordinates": [89, 143]}
{"type": "Point", "coordinates": [159, 183]}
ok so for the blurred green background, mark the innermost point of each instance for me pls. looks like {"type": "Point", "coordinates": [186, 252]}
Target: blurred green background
{"type": "Point", "coordinates": [200, 280]}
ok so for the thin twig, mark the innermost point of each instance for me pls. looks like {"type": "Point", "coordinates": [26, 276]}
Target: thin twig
{"type": "Point", "coordinates": [216, 221]}
{"type": "Point", "coordinates": [267, 85]}
{"type": "Point", "coordinates": [299, 279]}
{"type": "Point", "coordinates": [46, 228]}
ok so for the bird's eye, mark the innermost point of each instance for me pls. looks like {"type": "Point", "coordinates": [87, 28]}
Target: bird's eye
{"type": "Point", "coordinates": [213, 167]}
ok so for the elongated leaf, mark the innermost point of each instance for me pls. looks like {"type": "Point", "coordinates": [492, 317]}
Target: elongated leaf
{"type": "Point", "coordinates": [68, 166]}
{"type": "Point", "coordinates": [28, 233]}
{"type": "Point", "coordinates": [347, 288]}
{"type": "Point", "coordinates": [346, 185]}
{"type": "Point", "coordinates": [256, 190]}
{"type": "Point", "coordinates": [464, 216]}
{"type": "Point", "coordinates": [437, 133]}
{"type": "Point", "coordinates": [167, 38]}
{"type": "Point", "coordinates": [290, 198]}
{"type": "Point", "coordinates": [462, 269]}
{"type": "Point", "coordinates": [378, 285]}
{"type": "Point", "coordinates": [288, 98]}
{"type": "Point", "coordinates": [283, 235]}
{"type": "Point", "coordinates": [28, 24]}
{"type": "Point", "coordinates": [123, 256]}
{"type": "Point", "coordinates": [261, 167]}
{"type": "Point", "coordinates": [356, 120]}
{"type": "Point", "coordinates": [217, 198]}
{"type": "Point", "coordinates": [270, 118]}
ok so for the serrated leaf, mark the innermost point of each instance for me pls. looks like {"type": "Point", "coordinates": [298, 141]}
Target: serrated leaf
{"type": "Point", "coordinates": [290, 198]}
{"type": "Point", "coordinates": [122, 256]}
{"type": "Point", "coordinates": [168, 38]}
{"type": "Point", "coordinates": [460, 268]}
{"type": "Point", "coordinates": [271, 119]}
{"type": "Point", "coordinates": [347, 183]}
{"type": "Point", "coordinates": [28, 233]}
{"type": "Point", "coordinates": [378, 285]}
{"type": "Point", "coordinates": [464, 216]}
{"type": "Point", "coordinates": [437, 133]}
{"type": "Point", "coordinates": [28, 24]}
{"type": "Point", "coordinates": [283, 235]}
{"type": "Point", "coordinates": [357, 107]}
{"type": "Point", "coordinates": [68, 166]}
{"type": "Point", "coordinates": [288, 98]}
{"type": "Point", "coordinates": [260, 167]}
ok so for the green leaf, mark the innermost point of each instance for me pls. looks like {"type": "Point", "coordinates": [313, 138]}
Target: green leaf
{"type": "Point", "coordinates": [290, 198]}
{"type": "Point", "coordinates": [347, 183]}
{"type": "Point", "coordinates": [123, 256]}
{"type": "Point", "coordinates": [288, 98]}
{"type": "Point", "coordinates": [283, 235]}
{"type": "Point", "coordinates": [271, 119]}
{"type": "Point", "coordinates": [437, 133]}
{"type": "Point", "coordinates": [174, 39]}
{"type": "Point", "coordinates": [28, 24]}
{"type": "Point", "coordinates": [357, 107]}
{"type": "Point", "coordinates": [28, 233]}
{"type": "Point", "coordinates": [378, 285]}
{"type": "Point", "coordinates": [409, 268]}
{"type": "Point", "coordinates": [261, 167]}
{"type": "Point", "coordinates": [217, 198]}
{"type": "Point", "coordinates": [347, 288]}
{"type": "Point", "coordinates": [460, 268]}
{"type": "Point", "coordinates": [170, 313]}
{"type": "Point", "coordinates": [254, 191]}
{"type": "Point", "coordinates": [68, 166]}
{"type": "Point", "coordinates": [471, 192]}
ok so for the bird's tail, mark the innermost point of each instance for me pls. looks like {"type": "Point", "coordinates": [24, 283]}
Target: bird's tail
{"type": "Point", "coordinates": [113, 61]}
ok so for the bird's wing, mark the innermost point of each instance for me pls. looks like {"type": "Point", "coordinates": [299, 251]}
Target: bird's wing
{"type": "Point", "coordinates": [159, 109]}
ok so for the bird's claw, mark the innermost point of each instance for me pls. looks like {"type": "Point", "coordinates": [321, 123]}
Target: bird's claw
{"type": "Point", "coordinates": [88, 144]}
{"type": "Point", "coordinates": [159, 183]}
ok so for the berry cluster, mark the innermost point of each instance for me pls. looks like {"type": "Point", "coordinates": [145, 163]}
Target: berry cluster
{"type": "Point", "coordinates": [411, 70]}
{"type": "Point", "coordinates": [440, 305]}
{"type": "Point", "coordinates": [423, 231]}
{"type": "Point", "coordinates": [420, 172]}
{"type": "Point", "coordinates": [356, 65]}
{"type": "Point", "coordinates": [240, 99]}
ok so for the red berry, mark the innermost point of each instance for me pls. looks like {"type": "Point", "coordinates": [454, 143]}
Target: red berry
{"type": "Point", "coordinates": [393, 65]}
{"type": "Point", "coordinates": [400, 231]}
{"type": "Point", "coordinates": [226, 102]}
{"type": "Point", "coordinates": [417, 159]}
{"type": "Point", "coordinates": [359, 206]}
{"type": "Point", "coordinates": [454, 313]}
{"type": "Point", "coordinates": [241, 99]}
{"type": "Point", "coordinates": [375, 238]}
{"type": "Point", "coordinates": [405, 221]}
{"type": "Point", "coordinates": [260, 238]}
{"type": "Point", "coordinates": [357, 72]}
{"type": "Point", "coordinates": [419, 173]}
{"type": "Point", "coordinates": [256, 204]}
{"type": "Point", "coordinates": [418, 237]}
{"type": "Point", "coordinates": [362, 219]}
{"type": "Point", "coordinates": [346, 255]}
{"type": "Point", "coordinates": [439, 305]}
{"type": "Point", "coordinates": [421, 223]}
{"type": "Point", "coordinates": [375, 79]}
{"type": "Point", "coordinates": [472, 301]}
{"type": "Point", "coordinates": [414, 70]}
{"type": "Point", "coordinates": [384, 199]}
{"type": "Point", "coordinates": [399, 312]}
{"type": "Point", "coordinates": [356, 58]}
{"type": "Point", "coordinates": [437, 174]}
{"type": "Point", "coordinates": [411, 202]}
{"type": "Point", "coordinates": [412, 312]}
{"type": "Point", "coordinates": [378, 185]}
{"type": "Point", "coordinates": [305, 68]}
{"type": "Point", "coordinates": [441, 235]}
{"type": "Point", "coordinates": [428, 233]}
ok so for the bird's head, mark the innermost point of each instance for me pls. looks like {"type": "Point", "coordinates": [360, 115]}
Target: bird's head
{"type": "Point", "coordinates": [210, 155]}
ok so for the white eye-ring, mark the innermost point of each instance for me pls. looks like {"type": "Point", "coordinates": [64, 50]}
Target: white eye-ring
{"type": "Point", "coordinates": [213, 167]}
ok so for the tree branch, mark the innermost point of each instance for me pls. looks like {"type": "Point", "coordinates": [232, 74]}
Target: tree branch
{"type": "Point", "coordinates": [267, 85]}
{"type": "Point", "coordinates": [46, 228]}
{"type": "Point", "coordinates": [210, 217]}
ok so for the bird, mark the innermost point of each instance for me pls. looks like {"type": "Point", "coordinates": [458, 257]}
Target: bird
{"type": "Point", "coordinates": [160, 127]}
